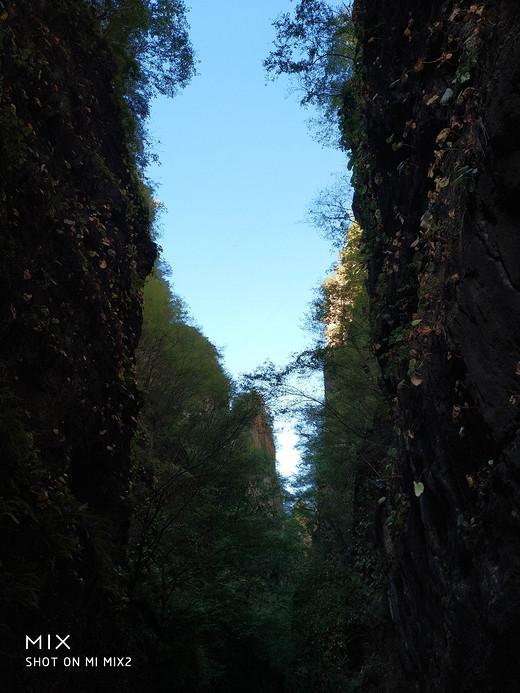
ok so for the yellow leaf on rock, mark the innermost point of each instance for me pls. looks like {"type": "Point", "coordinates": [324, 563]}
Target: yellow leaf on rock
{"type": "Point", "coordinates": [443, 135]}
{"type": "Point", "coordinates": [416, 379]}
{"type": "Point", "coordinates": [430, 99]}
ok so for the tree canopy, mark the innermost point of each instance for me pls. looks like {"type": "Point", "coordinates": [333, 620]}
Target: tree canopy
{"type": "Point", "coordinates": [315, 45]}
{"type": "Point", "coordinates": [151, 42]}
{"type": "Point", "coordinates": [210, 548]}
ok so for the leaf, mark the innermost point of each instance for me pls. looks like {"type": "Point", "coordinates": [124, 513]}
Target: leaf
{"type": "Point", "coordinates": [430, 99]}
{"type": "Point", "coordinates": [416, 379]}
{"type": "Point", "coordinates": [102, 264]}
{"type": "Point", "coordinates": [442, 182]}
{"type": "Point", "coordinates": [461, 521]}
{"type": "Point", "coordinates": [418, 488]}
{"type": "Point", "coordinates": [426, 220]}
{"type": "Point", "coordinates": [424, 329]}
{"type": "Point", "coordinates": [443, 135]}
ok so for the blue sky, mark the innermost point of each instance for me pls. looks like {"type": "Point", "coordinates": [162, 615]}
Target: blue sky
{"type": "Point", "coordinates": [238, 169]}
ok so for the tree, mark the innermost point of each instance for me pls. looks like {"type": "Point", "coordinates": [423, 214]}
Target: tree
{"type": "Point", "coordinates": [210, 547]}
{"type": "Point", "coordinates": [151, 43]}
{"type": "Point", "coordinates": [316, 46]}
{"type": "Point", "coordinates": [339, 623]}
{"type": "Point", "coordinates": [330, 212]}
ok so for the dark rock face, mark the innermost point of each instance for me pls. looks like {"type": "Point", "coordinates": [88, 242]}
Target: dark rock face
{"type": "Point", "coordinates": [74, 251]}
{"type": "Point", "coordinates": [75, 247]}
{"type": "Point", "coordinates": [441, 212]}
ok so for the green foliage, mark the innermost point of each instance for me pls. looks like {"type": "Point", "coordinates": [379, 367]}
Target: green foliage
{"type": "Point", "coordinates": [341, 592]}
{"type": "Point", "coordinates": [340, 628]}
{"type": "Point", "coordinates": [209, 543]}
{"type": "Point", "coordinates": [329, 211]}
{"type": "Point", "coordinates": [170, 346]}
{"type": "Point", "coordinates": [315, 46]}
{"type": "Point", "coordinates": [150, 40]}
{"type": "Point", "coordinates": [152, 35]}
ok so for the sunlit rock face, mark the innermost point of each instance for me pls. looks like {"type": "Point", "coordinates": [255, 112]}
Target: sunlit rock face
{"type": "Point", "coordinates": [267, 490]}
{"type": "Point", "coordinates": [439, 206]}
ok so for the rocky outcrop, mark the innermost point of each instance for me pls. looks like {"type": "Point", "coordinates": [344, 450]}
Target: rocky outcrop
{"type": "Point", "coordinates": [266, 489]}
{"type": "Point", "coordinates": [437, 168]}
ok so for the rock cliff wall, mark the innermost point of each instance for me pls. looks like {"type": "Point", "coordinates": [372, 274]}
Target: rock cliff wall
{"type": "Point", "coordinates": [267, 490]}
{"type": "Point", "coordinates": [437, 166]}
{"type": "Point", "coordinates": [74, 250]}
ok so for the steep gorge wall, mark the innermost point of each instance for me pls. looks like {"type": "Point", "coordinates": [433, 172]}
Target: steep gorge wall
{"type": "Point", "coordinates": [74, 250]}
{"type": "Point", "coordinates": [437, 168]}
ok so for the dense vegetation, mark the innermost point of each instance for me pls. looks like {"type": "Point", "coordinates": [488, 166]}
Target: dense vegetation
{"type": "Point", "coordinates": [210, 550]}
